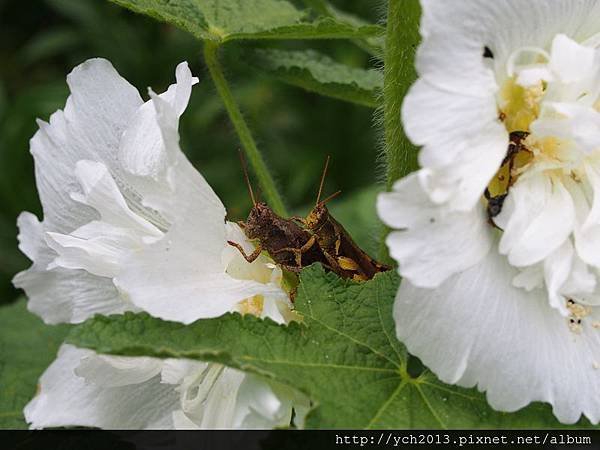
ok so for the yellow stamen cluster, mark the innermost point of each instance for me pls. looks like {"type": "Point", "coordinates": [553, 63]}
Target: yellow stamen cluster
{"type": "Point", "coordinates": [520, 106]}
{"type": "Point", "coordinates": [253, 305]}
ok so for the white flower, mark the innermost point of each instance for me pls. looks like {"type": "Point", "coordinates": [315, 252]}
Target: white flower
{"type": "Point", "coordinates": [86, 389]}
{"type": "Point", "coordinates": [130, 225]}
{"type": "Point", "coordinates": [499, 246]}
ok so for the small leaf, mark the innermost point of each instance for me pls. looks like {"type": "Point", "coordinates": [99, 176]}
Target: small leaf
{"type": "Point", "coordinates": [344, 356]}
{"type": "Point", "coordinates": [226, 20]}
{"type": "Point", "coordinates": [27, 347]}
{"type": "Point", "coordinates": [318, 73]}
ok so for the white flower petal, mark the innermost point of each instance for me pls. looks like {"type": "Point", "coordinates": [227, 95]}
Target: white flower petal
{"type": "Point", "coordinates": [530, 277]}
{"type": "Point", "coordinates": [213, 396]}
{"type": "Point", "coordinates": [115, 371]}
{"type": "Point", "coordinates": [407, 205]}
{"type": "Point", "coordinates": [175, 370]}
{"type": "Point", "coordinates": [97, 112]}
{"type": "Point", "coordinates": [463, 142]}
{"type": "Point", "coordinates": [593, 218]}
{"type": "Point", "coordinates": [557, 268]}
{"type": "Point", "coordinates": [30, 235]}
{"type": "Point", "coordinates": [581, 284]}
{"type": "Point", "coordinates": [142, 150]}
{"type": "Point", "coordinates": [96, 247]}
{"type": "Point", "coordinates": [541, 217]}
{"type": "Point", "coordinates": [476, 329]}
{"type": "Point", "coordinates": [62, 295]}
{"type": "Point", "coordinates": [443, 121]}
{"type": "Point", "coordinates": [436, 243]}
{"type": "Point", "coordinates": [176, 279]}
{"type": "Point", "coordinates": [102, 193]}
{"type": "Point", "coordinates": [209, 398]}
{"type": "Point", "coordinates": [99, 246]}
{"type": "Point", "coordinates": [182, 422]}
{"type": "Point", "coordinates": [68, 400]}
{"type": "Point", "coordinates": [459, 30]}
{"type": "Point", "coordinates": [587, 236]}
{"type": "Point", "coordinates": [259, 406]}
{"type": "Point", "coordinates": [570, 61]}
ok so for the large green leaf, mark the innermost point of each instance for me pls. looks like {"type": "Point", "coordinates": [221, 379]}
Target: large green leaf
{"type": "Point", "coordinates": [27, 347]}
{"type": "Point", "coordinates": [316, 72]}
{"type": "Point", "coordinates": [226, 20]}
{"type": "Point", "coordinates": [344, 356]}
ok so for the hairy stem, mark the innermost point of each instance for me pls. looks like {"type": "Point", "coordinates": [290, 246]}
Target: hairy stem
{"type": "Point", "coordinates": [401, 34]}
{"type": "Point", "coordinates": [253, 155]}
{"type": "Point", "coordinates": [398, 73]}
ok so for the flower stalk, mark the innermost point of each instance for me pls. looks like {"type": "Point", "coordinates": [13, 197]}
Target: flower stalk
{"type": "Point", "coordinates": [255, 159]}
{"type": "Point", "coordinates": [398, 73]}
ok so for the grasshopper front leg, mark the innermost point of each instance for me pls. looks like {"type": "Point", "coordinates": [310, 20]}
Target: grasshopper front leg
{"type": "Point", "coordinates": [298, 219]}
{"type": "Point", "coordinates": [252, 256]}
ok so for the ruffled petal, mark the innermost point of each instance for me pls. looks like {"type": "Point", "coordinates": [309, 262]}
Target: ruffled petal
{"type": "Point", "coordinates": [539, 216]}
{"type": "Point", "coordinates": [61, 295]}
{"type": "Point", "coordinates": [115, 371]}
{"type": "Point", "coordinates": [66, 399]}
{"type": "Point", "coordinates": [259, 406]}
{"type": "Point", "coordinates": [463, 142]}
{"type": "Point", "coordinates": [455, 34]}
{"type": "Point", "coordinates": [97, 112]}
{"type": "Point", "coordinates": [99, 246]}
{"type": "Point", "coordinates": [435, 243]}
{"type": "Point", "coordinates": [213, 396]}
{"type": "Point", "coordinates": [477, 329]}
{"type": "Point", "coordinates": [142, 148]}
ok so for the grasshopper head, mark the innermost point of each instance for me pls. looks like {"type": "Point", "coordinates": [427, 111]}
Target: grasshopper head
{"type": "Point", "coordinates": [317, 217]}
{"type": "Point", "coordinates": [259, 220]}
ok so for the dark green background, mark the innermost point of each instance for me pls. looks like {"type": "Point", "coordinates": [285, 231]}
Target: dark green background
{"type": "Point", "coordinates": [42, 40]}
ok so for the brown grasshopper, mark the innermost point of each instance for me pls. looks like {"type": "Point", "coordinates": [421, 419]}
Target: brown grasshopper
{"type": "Point", "coordinates": [343, 255]}
{"type": "Point", "coordinates": [288, 244]}
{"type": "Point", "coordinates": [320, 239]}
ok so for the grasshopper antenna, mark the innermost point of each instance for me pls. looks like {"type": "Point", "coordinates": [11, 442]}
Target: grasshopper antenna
{"type": "Point", "coordinates": [331, 197]}
{"type": "Point", "coordinates": [322, 181]}
{"type": "Point", "coordinates": [245, 169]}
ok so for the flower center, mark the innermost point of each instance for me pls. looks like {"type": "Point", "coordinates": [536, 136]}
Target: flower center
{"type": "Point", "coordinates": [545, 197]}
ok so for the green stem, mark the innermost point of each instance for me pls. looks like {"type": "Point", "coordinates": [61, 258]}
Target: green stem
{"type": "Point", "coordinates": [255, 159]}
{"type": "Point", "coordinates": [402, 20]}
{"type": "Point", "coordinates": [400, 40]}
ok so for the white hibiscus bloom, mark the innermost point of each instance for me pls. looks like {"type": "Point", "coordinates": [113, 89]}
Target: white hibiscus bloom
{"type": "Point", "coordinates": [130, 225]}
{"type": "Point", "coordinates": [498, 235]}
{"type": "Point", "coordinates": [86, 389]}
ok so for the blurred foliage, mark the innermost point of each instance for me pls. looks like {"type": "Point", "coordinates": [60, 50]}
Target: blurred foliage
{"type": "Point", "coordinates": [41, 43]}
{"type": "Point", "coordinates": [29, 354]}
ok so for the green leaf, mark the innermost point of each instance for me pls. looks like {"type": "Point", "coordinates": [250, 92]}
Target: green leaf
{"type": "Point", "coordinates": [27, 347]}
{"type": "Point", "coordinates": [371, 44]}
{"type": "Point", "coordinates": [226, 20]}
{"type": "Point", "coordinates": [318, 73]}
{"type": "Point", "coordinates": [344, 356]}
